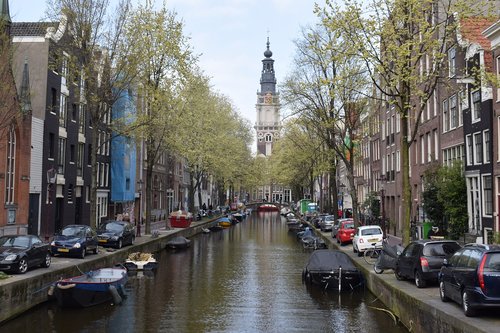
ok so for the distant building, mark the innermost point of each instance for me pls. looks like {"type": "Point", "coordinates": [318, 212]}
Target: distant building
{"type": "Point", "coordinates": [268, 127]}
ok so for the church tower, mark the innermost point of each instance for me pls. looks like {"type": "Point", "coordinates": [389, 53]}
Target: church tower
{"type": "Point", "coordinates": [268, 122]}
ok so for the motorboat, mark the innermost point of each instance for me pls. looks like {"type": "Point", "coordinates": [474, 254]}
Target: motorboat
{"type": "Point", "coordinates": [224, 222]}
{"type": "Point", "coordinates": [331, 269]}
{"type": "Point", "coordinates": [139, 261]}
{"type": "Point", "coordinates": [179, 242]}
{"type": "Point", "coordinates": [92, 288]}
{"type": "Point", "coordinates": [313, 242]}
{"type": "Point", "coordinates": [215, 227]}
{"type": "Point", "coordinates": [267, 208]}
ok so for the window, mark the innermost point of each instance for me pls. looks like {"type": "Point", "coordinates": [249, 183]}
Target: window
{"type": "Point", "coordinates": [11, 166]}
{"type": "Point", "coordinates": [476, 106]}
{"type": "Point", "coordinates": [52, 143]}
{"type": "Point", "coordinates": [470, 150]}
{"type": "Point", "coordinates": [63, 111]}
{"type": "Point", "coordinates": [269, 138]}
{"type": "Point", "coordinates": [53, 100]}
{"type": "Point", "coordinates": [429, 147]}
{"type": "Point", "coordinates": [81, 123]}
{"type": "Point", "coordinates": [486, 146]}
{"type": "Point", "coordinates": [452, 61]}
{"type": "Point", "coordinates": [453, 112]}
{"type": "Point", "coordinates": [62, 155]}
{"type": "Point", "coordinates": [487, 195]}
{"type": "Point", "coordinates": [74, 112]}
{"type": "Point", "coordinates": [79, 161]}
{"type": "Point", "coordinates": [436, 144]}
{"type": "Point", "coordinates": [422, 150]}
{"type": "Point", "coordinates": [446, 116]}
{"type": "Point", "coordinates": [72, 153]}
{"type": "Point", "coordinates": [70, 193]}
{"type": "Point", "coordinates": [478, 142]}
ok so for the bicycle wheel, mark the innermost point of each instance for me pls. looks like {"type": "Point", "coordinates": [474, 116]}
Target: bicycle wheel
{"type": "Point", "coordinates": [371, 256]}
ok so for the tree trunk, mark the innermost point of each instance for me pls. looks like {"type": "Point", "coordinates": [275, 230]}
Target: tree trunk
{"type": "Point", "coordinates": [405, 160]}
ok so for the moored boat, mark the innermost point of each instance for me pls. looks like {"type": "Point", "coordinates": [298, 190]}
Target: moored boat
{"type": "Point", "coordinates": [92, 288]}
{"type": "Point", "coordinates": [224, 222]}
{"type": "Point", "coordinates": [139, 261]}
{"type": "Point", "coordinates": [332, 269]}
{"type": "Point", "coordinates": [267, 208]}
{"type": "Point", "coordinates": [179, 242]}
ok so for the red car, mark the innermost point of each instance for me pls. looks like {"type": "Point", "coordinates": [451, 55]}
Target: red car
{"type": "Point", "coordinates": [346, 232]}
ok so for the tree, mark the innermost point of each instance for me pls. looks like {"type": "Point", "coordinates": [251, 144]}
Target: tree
{"type": "Point", "coordinates": [160, 55]}
{"type": "Point", "coordinates": [328, 89]}
{"type": "Point", "coordinates": [395, 39]}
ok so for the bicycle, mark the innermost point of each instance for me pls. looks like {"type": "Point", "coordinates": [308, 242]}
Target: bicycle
{"type": "Point", "coordinates": [371, 255]}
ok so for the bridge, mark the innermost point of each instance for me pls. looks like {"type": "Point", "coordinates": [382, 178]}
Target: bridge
{"type": "Point", "coordinates": [257, 204]}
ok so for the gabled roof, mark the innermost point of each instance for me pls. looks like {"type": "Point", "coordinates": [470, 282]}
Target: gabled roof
{"type": "Point", "coordinates": [31, 29]}
{"type": "Point", "coordinates": [471, 30]}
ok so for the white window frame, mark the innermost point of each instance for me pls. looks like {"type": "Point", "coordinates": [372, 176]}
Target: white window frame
{"type": "Point", "coordinates": [486, 146]}
{"type": "Point", "coordinates": [452, 61]}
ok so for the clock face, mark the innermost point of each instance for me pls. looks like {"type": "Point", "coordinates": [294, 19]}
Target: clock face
{"type": "Point", "coordinates": [268, 99]}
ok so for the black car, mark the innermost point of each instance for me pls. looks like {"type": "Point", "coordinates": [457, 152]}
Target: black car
{"type": "Point", "coordinates": [116, 234]}
{"type": "Point", "coordinates": [18, 253]}
{"type": "Point", "coordinates": [471, 277]}
{"type": "Point", "coordinates": [75, 240]}
{"type": "Point", "coordinates": [421, 260]}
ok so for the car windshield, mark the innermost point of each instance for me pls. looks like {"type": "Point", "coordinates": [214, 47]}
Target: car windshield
{"type": "Point", "coordinates": [440, 249]}
{"type": "Point", "coordinates": [348, 225]}
{"type": "Point", "coordinates": [112, 226]}
{"type": "Point", "coordinates": [329, 218]}
{"type": "Point", "coordinates": [73, 231]}
{"type": "Point", "coordinates": [7, 241]}
{"type": "Point", "coordinates": [371, 231]}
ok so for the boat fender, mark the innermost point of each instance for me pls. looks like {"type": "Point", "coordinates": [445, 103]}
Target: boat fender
{"type": "Point", "coordinates": [66, 286]}
{"type": "Point", "coordinates": [50, 292]}
{"type": "Point", "coordinates": [116, 295]}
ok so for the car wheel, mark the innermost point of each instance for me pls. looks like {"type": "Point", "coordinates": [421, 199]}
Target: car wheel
{"type": "Point", "coordinates": [360, 254]}
{"type": "Point", "coordinates": [398, 275]}
{"type": "Point", "coordinates": [468, 310]}
{"type": "Point", "coordinates": [354, 248]}
{"type": "Point", "coordinates": [442, 293]}
{"type": "Point", "coordinates": [83, 253]}
{"type": "Point", "coordinates": [419, 281]}
{"type": "Point", "coordinates": [22, 266]}
{"type": "Point", "coordinates": [47, 261]}
{"type": "Point", "coordinates": [119, 245]}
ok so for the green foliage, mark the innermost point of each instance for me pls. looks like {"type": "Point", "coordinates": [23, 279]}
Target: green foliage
{"type": "Point", "coordinates": [445, 198]}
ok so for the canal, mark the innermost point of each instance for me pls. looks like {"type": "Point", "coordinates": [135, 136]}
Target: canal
{"type": "Point", "coordinates": [243, 279]}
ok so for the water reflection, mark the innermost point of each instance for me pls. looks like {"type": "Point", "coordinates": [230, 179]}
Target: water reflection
{"type": "Point", "coordinates": [243, 279]}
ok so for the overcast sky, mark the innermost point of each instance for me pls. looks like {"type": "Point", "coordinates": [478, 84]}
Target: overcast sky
{"type": "Point", "coordinates": [231, 37]}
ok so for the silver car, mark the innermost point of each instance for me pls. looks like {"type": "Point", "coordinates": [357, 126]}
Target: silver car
{"type": "Point", "coordinates": [327, 223]}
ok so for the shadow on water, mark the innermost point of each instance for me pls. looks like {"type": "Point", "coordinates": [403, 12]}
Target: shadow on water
{"type": "Point", "coordinates": [247, 278]}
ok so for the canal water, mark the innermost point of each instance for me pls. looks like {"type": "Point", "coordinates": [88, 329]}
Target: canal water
{"type": "Point", "coordinates": [243, 279]}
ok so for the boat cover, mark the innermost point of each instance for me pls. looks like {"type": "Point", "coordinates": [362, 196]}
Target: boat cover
{"type": "Point", "coordinates": [328, 260]}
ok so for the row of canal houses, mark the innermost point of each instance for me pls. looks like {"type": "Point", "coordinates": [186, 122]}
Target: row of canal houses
{"type": "Point", "coordinates": [461, 122]}
{"type": "Point", "coordinates": [45, 172]}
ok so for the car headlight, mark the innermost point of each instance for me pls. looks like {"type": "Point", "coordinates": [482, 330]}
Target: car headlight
{"type": "Point", "coordinates": [77, 245]}
{"type": "Point", "coordinates": [53, 243]}
{"type": "Point", "coordinates": [114, 238]}
{"type": "Point", "coordinates": [11, 257]}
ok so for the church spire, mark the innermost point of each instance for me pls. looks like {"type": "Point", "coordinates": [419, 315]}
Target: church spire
{"type": "Point", "coordinates": [268, 78]}
{"type": "Point", "coordinates": [4, 12]}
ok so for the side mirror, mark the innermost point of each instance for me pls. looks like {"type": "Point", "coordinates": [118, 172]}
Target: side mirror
{"type": "Point", "coordinates": [398, 253]}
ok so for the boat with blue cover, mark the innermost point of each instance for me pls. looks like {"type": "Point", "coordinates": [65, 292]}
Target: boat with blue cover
{"type": "Point", "coordinates": [92, 288]}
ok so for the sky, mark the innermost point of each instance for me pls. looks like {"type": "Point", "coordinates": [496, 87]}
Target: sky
{"type": "Point", "coordinates": [230, 36]}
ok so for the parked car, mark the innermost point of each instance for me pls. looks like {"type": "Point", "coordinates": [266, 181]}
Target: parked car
{"type": "Point", "coordinates": [18, 253]}
{"type": "Point", "coordinates": [116, 234]}
{"type": "Point", "coordinates": [75, 240]}
{"type": "Point", "coordinates": [367, 237]}
{"type": "Point", "coordinates": [421, 260]}
{"type": "Point", "coordinates": [327, 223]}
{"type": "Point", "coordinates": [346, 232]}
{"type": "Point", "coordinates": [471, 277]}
{"type": "Point", "coordinates": [336, 226]}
